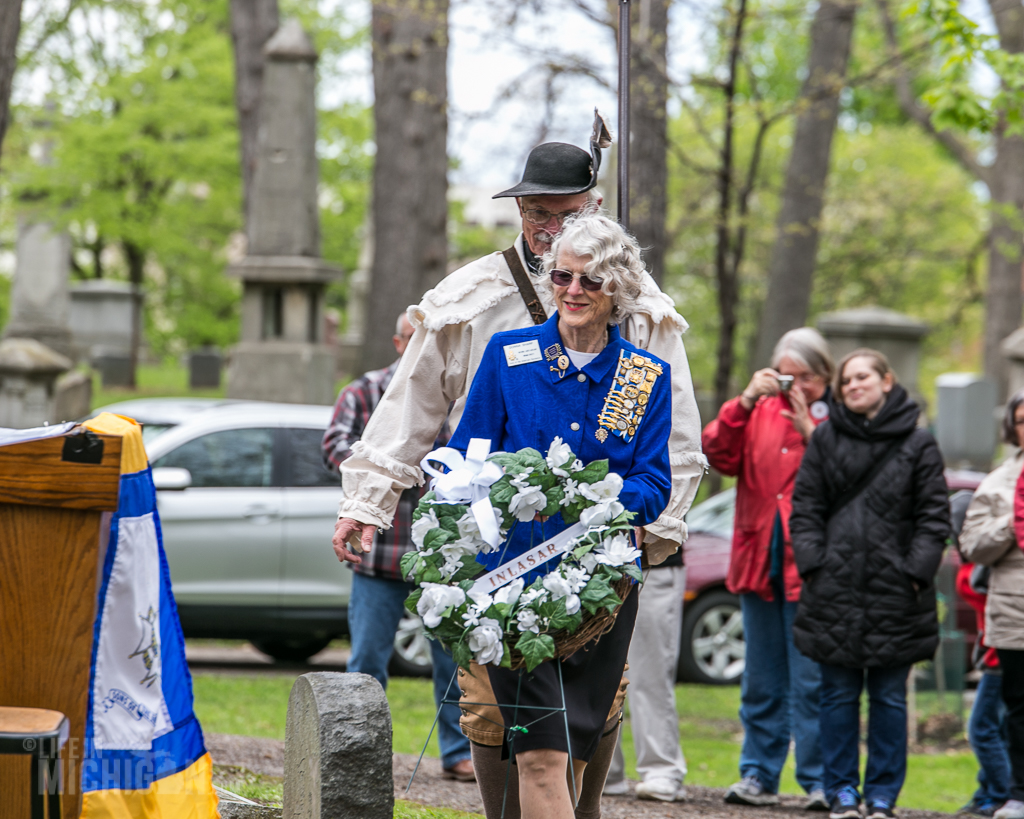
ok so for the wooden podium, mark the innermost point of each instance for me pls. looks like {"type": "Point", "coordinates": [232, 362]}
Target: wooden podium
{"type": "Point", "coordinates": [55, 498]}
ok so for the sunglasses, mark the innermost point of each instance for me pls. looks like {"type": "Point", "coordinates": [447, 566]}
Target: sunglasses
{"type": "Point", "coordinates": [563, 278]}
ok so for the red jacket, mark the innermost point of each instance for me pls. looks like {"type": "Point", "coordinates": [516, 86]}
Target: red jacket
{"type": "Point", "coordinates": [763, 451]}
{"type": "Point", "coordinates": [976, 600]}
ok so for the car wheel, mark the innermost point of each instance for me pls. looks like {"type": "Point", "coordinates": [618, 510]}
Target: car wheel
{"type": "Point", "coordinates": [411, 657]}
{"type": "Point", "coordinates": [292, 649]}
{"type": "Point", "coordinates": [712, 650]}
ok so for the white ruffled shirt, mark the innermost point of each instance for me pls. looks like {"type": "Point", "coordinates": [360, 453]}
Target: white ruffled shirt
{"type": "Point", "coordinates": [453, 324]}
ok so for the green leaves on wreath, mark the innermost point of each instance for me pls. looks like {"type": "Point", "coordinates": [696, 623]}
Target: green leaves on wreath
{"type": "Point", "coordinates": [469, 569]}
{"type": "Point", "coordinates": [554, 496]}
{"type": "Point", "coordinates": [436, 538]}
{"type": "Point", "coordinates": [424, 506]}
{"type": "Point", "coordinates": [408, 565]}
{"type": "Point", "coordinates": [598, 594]}
{"type": "Point", "coordinates": [461, 654]}
{"type": "Point", "coordinates": [560, 619]}
{"type": "Point", "coordinates": [502, 492]}
{"type": "Point", "coordinates": [593, 472]}
{"type": "Point", "coordinates": [413, 599]}
{"type": "Point", "coordinates": [535, 648]}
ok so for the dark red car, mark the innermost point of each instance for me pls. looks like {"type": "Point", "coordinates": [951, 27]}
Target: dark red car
{"type": "Point", "coordinates": [712, 649]}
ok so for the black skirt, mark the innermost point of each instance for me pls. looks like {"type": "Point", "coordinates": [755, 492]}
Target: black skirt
{"type": "Point", "coordinates": [590, 679]}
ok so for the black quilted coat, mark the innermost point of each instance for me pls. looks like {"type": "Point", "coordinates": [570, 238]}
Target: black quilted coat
{"type": "Point", "coordinates": [858, 606]}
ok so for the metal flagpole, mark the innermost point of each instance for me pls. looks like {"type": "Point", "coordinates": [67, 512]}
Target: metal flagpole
{"type": "Point", "coordinates": [624, 31]}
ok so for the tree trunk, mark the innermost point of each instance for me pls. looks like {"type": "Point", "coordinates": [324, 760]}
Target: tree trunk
{"type": "Point", "coordinates": [726, 272]}
{"type": "Point", "coordinates": [253, 22]}
{"type": "Point", "coordinates": [410, 182]}
{"type": "Point", "coordinates": [10, 27]}
{"type": "Point", "coordinates": [796, 243]}
{"type": "Point", "coordinates": [136, 258]}
{"type": "Point", "coordinates": [1003, 300]}
{"type": "Point", "coordinates": [648, 116]}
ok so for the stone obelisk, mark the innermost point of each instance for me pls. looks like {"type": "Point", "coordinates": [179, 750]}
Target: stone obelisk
{"type": "Point", "coordinates": [281, 355]}
{"type": "Point", "coordinates": [40, 304]}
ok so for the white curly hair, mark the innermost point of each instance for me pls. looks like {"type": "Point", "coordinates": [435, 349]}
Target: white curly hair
{"type": "Point", "coordinates": [614, 258]}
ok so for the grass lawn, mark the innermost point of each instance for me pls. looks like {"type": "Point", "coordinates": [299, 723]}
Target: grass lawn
{"type": "Point", "coordinates": [164, 380]}
{"type": "Point", "coordinates": [709, 727]}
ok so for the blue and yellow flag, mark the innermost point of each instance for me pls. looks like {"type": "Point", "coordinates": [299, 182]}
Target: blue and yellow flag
{"type": "Point", "coordinates": [144, 751]}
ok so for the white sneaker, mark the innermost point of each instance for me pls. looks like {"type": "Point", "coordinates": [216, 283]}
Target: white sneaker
{"type": "Point", "coordinates": [661, 790]}
{"type": "Point", "coordinates": [620, 788]}
{"type": "Point", "coordinates": [816, 800]}
{"type": "Point", "coordinates": [750, 791]}
{"type": "Point", "coordinates": [1013, 809]}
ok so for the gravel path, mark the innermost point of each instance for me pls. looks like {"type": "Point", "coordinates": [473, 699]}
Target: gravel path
{"type": "Point", "coordinates": [266, 756]}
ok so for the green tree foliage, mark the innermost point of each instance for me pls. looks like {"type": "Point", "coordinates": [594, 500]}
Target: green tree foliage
{"type": "Point", "coordinates": [145, 168]}
{"type": "Point", "coordinates": [903, 225]}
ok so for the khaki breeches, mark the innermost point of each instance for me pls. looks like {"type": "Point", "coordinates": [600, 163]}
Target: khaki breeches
{"type": "Point", "coordinates": [481, 719]}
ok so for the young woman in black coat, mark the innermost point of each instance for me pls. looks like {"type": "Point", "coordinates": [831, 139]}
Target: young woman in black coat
{"type": "Point", "coordinates": [870, 520]}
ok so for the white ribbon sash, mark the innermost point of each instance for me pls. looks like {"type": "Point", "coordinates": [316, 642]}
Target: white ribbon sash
{"type": "Point", "coordinates": [527, 561]}
{"type": "Point", "coordinates": [468, 480]}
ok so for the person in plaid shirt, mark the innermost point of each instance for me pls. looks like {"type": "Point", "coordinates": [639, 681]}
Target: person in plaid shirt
{"type": "Point", "coordinates": [378, 588]}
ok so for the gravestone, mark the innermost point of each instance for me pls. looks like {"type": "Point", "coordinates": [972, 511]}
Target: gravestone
{"type": "Point", "coordinates": [204, 368]}
{"type": "Point", "coordinates": [965, 424]}
{"type": "Point", "coordinates": [101, 327]}
{"type": "Point", "coordinates": [40, 305]}
{"type": "Point", "coordinates": [73, 396]}
{"type": "Point", "coordinates": [337, 749]}
{"type": "Point", "coordinates": [282, 355]}
{"type": "Point", "coordinates": [28, 376]}
{"type": "Point", "coordinates": [898, 336]}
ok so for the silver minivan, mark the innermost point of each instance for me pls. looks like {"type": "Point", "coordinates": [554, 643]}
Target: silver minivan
{"type": "Point", "coordinates": [248, 511]}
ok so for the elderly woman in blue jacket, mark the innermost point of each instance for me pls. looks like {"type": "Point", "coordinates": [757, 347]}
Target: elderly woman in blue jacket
{"type": "Point", "coordinates": [576, 378]}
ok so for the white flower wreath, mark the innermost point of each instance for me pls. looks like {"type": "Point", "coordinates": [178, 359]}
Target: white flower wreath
{"type": "Point", "coordinates": [481, 625]}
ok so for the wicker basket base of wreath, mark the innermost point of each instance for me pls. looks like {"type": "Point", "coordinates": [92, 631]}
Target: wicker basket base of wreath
{"type": "Point", "coordinates": [593, 627]}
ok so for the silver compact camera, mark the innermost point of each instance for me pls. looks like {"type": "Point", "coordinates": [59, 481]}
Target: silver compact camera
{"type": "Point", "coordinates": [785, 382]}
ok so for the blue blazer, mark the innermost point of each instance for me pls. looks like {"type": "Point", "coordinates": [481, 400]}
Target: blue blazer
{"type": "Point", "coordinates": [619, 407]}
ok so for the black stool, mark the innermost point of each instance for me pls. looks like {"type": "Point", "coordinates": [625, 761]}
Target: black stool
{"type": "Point", "coordinates": [40, 734]}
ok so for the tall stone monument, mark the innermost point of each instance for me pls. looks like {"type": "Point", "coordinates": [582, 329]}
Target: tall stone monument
{"type": "Point", "coordinates": [39, 292]}
{"type": "Point", "coordinates": [282, 355]}
{"type": "Point", "coordinates": [40, 304]}
{"type": "Point", "coordinates": [898, 336]}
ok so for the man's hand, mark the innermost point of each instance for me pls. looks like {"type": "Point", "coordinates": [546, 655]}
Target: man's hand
{"type": "Point", "coordinates": [352, 538]}
{"type": "Point", "coordinates": [763, 382]}
{"type": "Point", "coordinates": [800, 416]}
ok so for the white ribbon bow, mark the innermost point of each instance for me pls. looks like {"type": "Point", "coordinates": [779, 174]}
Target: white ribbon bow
{"type": "Point", "coordinates": [469, 481]}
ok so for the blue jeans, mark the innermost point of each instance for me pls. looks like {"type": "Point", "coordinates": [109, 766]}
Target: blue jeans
{"type": "Point", "coordinates": [374, 611]}
{"type": "Point", "coordinates": [986, 733]}
{"type": "Point", "coordinates": [779, 697]}
{"type": "Point", "coordinates": [887, 730]}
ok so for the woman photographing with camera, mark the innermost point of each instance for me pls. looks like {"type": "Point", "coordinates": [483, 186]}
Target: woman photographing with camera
{"type": "Point", "coordinates": [759, 437]}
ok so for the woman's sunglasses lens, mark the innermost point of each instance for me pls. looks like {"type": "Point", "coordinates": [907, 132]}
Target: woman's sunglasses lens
{"type": "Point", "coordinates": [563, 278]}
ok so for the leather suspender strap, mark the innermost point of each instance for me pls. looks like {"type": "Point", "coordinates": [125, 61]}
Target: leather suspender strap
{"type": "Point", "coordinates": [530, 298]}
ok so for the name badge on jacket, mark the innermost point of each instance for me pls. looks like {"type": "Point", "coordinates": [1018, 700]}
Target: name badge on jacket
{"type": "Point", "coordinates": [525, 352]}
